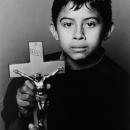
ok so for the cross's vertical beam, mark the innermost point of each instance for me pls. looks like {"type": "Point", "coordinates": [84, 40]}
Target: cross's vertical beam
{"type": "Point", "coordinates": [36, 52]}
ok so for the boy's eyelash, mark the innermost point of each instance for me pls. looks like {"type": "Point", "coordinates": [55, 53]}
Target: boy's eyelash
{"type": "Point", "coordinates": [91, 24]}
{"type": "Point", "coordinates": [67, 24]}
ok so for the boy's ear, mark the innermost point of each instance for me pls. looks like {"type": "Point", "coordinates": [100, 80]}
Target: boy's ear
{"type": "Point", "coordinates": [107, 36]}
{"type": "Point", "coordinates": [53, 31]}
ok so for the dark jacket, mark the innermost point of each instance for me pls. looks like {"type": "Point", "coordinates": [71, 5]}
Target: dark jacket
{"type": "Point", "coordinates": [92, 98]}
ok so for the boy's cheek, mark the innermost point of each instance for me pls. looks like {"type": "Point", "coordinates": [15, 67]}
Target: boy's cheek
{"type": "Point", "coordinates": [62, 32]}
{"type": "Point", "coordinates": [94, 37]}
{"type": "Point", "coordinates": [65, 37]}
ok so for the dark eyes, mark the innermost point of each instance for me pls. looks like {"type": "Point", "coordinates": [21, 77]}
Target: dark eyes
{"type": "Point", "coordinates": [90, 24]}
{"type": "Point", "coordinates": [87, 24]}
{"type": "Point", "coordinates": [67, 25]}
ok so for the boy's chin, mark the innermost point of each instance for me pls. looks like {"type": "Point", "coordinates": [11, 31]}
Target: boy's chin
{"type": "Point", "coordinates": [79, 57]}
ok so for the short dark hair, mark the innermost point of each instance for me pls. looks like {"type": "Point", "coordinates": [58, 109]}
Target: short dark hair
{"type": "Point", "coordinates": [102, 6]}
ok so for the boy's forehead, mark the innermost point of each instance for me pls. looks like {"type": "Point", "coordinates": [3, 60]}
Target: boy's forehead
{"type": "Point", "coordinates": [83, 12]}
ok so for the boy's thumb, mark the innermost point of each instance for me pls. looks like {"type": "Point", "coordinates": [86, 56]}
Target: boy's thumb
{"type": "Point", "coordinates": [32, 127]}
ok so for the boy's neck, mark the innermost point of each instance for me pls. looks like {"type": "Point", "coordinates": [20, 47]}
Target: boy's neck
{"type": "Point", "coordinates": [89, 62]}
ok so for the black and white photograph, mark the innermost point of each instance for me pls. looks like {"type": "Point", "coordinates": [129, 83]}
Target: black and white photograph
{"type": "Point", "coordinates": [64, 64]}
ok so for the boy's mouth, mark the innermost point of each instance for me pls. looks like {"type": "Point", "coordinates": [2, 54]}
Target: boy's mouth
{"type": "Point", "coordinates": [79, 49]}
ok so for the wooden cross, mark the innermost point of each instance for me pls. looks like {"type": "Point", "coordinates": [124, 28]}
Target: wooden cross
{"type": "Point", "coordinates": [37, 64]}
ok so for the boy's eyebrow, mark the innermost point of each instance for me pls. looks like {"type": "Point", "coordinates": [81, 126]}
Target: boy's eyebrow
{"type": "Point", "coordinates": [67, 18]}
{"type": "Point", "coordinates": [95, 18]}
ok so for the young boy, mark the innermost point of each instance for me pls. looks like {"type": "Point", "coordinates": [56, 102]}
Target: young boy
{"type": "Point", "coordinates": [92, 94]}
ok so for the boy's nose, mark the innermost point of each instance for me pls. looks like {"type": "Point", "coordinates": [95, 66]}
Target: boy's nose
{"type": "Point", "coordinates": [79, 34]}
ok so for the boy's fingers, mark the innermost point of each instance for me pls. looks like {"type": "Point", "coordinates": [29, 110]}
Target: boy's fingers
{"type": "Point", "coordinates": [25, 96]}
{"type": "Point", "coordinates": [22, 103]}
{"type": "Point", "coordinates": [22, 96]}
{"type": "Point", "coordinates": [24, 100]}
{"type": "Point", "coordinates": [29, 84]}
{"type": "Point", "coordinates": [32, 127]}
{"type": "Point", "coordinates": [27, 88]}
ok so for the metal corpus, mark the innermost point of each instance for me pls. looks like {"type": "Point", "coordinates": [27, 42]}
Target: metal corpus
{"type": "Point", "coordinates": [41, 93]}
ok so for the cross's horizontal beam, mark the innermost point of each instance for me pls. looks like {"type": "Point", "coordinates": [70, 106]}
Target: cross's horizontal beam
{"type": "Point", "coordinates": [36, 64]}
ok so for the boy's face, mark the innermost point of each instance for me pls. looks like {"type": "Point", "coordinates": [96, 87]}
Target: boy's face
{"type": "Point", "coordinates": [79, 31]}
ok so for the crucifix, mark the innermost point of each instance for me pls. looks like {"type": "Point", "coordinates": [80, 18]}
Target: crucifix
{"type": "Point", "coordinates": [37, 66]}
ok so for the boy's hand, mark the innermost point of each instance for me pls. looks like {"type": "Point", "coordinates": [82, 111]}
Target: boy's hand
{"type": "Point", "coordinates": [25, 97]}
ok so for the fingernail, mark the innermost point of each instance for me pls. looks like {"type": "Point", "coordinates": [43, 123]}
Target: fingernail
{"type": "Point", "coordinates": [31, 126]}
{"type": "Point", "coordinates": [48, 86]}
